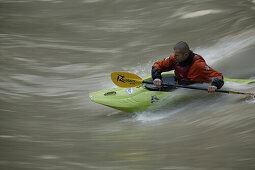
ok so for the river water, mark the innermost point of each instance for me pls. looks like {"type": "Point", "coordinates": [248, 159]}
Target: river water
{"type": "Point", "coordinates": [54, 52]}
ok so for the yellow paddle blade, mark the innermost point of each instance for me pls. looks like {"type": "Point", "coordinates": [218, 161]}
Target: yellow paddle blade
{"type": "Point", "coordinates": [124, 79]}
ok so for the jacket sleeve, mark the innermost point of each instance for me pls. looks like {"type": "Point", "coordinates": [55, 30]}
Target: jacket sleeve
{"type": "Point", "coordinates": [161, 66]}
{"type": "Point", "coordinates": [208, 74]}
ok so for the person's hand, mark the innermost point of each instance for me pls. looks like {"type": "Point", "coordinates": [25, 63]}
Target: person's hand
{"type": "Point", "coordinates": [157, 82]}
{"type": "Point", "coordinates": [211, 89]}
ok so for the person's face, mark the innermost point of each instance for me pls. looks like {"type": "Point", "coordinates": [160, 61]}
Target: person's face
{"type": "Point", "coordinates": [180, 56]}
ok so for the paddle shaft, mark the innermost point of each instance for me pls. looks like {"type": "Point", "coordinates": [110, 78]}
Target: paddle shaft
{"type": "Point", "coordinates": [125, 80]}
{"type": "Point", "coordinates": [187, 87]}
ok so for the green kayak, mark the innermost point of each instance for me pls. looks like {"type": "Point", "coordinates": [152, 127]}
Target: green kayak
{"type": "Point", "coordinates": [143, 97]}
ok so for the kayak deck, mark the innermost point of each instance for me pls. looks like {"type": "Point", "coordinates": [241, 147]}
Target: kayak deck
{"type": "Point", "coordinates": [135, 99]}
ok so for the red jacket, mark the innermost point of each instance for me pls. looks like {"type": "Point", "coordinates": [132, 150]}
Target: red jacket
{"type": "Point", "coordinates": [194, 69]}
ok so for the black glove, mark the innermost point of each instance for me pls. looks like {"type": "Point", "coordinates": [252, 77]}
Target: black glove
{"type": "Point", "coordinates": [217, 82]}
{"type": "Point", "coordinates": [155, 73]}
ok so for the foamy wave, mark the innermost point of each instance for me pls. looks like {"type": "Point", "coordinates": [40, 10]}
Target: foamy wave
{"type": "Point", "coordinates": [148, 116]}
{"type": "Point", "coordinates": [200, 13]}
{"type": "Point", "coordinates": [227, 46]}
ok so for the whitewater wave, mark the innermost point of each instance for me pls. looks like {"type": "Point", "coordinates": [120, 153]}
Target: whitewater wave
{"type": "Point", "coordinates": [227, 46]}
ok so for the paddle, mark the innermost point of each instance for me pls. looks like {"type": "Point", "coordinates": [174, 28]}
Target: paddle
{"type": "Point", "coordinates": [125, 80]}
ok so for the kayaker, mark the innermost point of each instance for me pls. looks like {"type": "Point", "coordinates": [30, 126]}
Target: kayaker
{"type": "Point", "coordinates": [189, 68]}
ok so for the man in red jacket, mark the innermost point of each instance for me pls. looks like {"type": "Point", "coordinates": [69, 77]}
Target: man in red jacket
{"type": "Point", "coordinates": [189, 68]}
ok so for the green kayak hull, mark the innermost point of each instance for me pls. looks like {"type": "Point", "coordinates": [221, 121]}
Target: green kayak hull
{"type": "Point", "coordinates": [139, 99]}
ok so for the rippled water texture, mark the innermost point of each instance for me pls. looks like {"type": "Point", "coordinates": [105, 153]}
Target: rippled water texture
{"type": "Point", "coordinates": [54, 52]}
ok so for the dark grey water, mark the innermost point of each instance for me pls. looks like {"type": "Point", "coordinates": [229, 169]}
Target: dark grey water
{"type": "Point", "coordinates": [54, 52]}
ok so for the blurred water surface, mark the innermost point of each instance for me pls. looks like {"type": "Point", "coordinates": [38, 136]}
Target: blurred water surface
{"type": "Point", "coordinates": [54, 52]}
